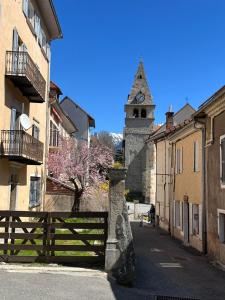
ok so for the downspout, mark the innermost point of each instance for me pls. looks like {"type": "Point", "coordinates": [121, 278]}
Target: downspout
{"type": "Point", "coordinates": [164, 211]}
{"type": "Point", "coordinates": [47, 133]}
{"type": "Point", "coordinates": [204, 194]}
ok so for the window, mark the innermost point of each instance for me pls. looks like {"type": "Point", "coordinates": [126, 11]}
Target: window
{"type": "Point", "coordinates": [35, 191]}
{"type": "Point", "coordinates": [221, 226]}
{"type": "Point", "coordinates": [222, 160]}
{"type": "Point", "coordinates": [177, 213]}
{"type": "Point", "coordinates": [136, 113]}
{"type": "Point", "coordinates": [143, 113]}
{"type": "Point", "coordinates": [35, 131]}
{"type": "Point", "coordinates": [179, 161]}
{"type": "Point", "coordinates": [37, 29]}
{"type": "Point", "coordinates": [54, 135]}
{"type": "Point", "coordinates": [31, 14]}
{"type": "Point", "coordinates": [195, 219]}
{"type": "Point", "coordinates": [196, 157]}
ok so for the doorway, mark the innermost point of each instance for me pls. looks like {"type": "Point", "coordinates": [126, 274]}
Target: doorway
{"type": "Point", "coordinates": [186, 221]}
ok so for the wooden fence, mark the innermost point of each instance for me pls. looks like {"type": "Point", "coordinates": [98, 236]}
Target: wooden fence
{"type": "Point", "coordinates": [56, 237]}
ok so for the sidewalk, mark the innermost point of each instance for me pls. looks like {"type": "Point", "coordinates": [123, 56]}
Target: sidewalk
{"type": "Point", "coordinates": [165, 267]}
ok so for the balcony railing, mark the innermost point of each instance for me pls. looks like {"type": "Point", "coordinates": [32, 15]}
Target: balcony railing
{"type": "Point", "coordinates": [21, 69]}
{"type": "Point", "coordinates": [17, 145]}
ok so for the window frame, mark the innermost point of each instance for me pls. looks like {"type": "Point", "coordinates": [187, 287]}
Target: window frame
{"type": "Point", "coordinates": [177, 211]}
{"type": "Point", "coordinates": [222, 183]}
{"type": "Point", "coordinates": [196, 156]}
{"type": "Point", "coordinates": [221, 227]}
{"type": "Point", "coordinates": [37, 202]}
{"type": "Point", "coordinates": [194, 232]}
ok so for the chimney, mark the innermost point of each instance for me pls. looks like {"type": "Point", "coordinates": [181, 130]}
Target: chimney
{"type": "Point", "coordinates": [169, 118]}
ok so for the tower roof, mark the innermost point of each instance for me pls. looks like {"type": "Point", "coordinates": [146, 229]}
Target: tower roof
{"type": "Point", "coordinates": [140, 85]}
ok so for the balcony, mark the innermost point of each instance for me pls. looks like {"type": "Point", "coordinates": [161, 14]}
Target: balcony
{"type": "Point", "coordinates": [19, 146]}
{"type": "Point", "coordinates": [23, 72]}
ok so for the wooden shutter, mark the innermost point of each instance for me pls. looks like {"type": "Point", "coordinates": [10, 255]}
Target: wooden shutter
{"type": "Point", "coordinates": [13, 119]}
{"type": "Point", "coordinates": [200, 222]}
{"type": "Point", "coordinates": [15, 46]}
{"type": "Point", "coordinates": [190, 218]}
{"type": "Point", "coordinates": [35, 191]}
{"type": "Point", "coordinates": [181, 160]}
{"type": "Point", "coordinates": [37, 25]}
{"type": "Point", "coordinates": [35, 132]}
{"type": "Point", "coordinates": [25, 7]}
{"type": "Point", "coordinates": [48, 52]}
{"type": "Point", "coordinates": [222, 145]}
{"type": "Point", "coordinates": [32, 192]}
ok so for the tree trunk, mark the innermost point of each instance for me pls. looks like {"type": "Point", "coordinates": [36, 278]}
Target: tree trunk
{"type": "Point", "coordinates": [77, 196]}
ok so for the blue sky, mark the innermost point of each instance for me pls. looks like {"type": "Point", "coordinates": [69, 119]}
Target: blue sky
{"type": "Point", "coordinates": [182, 43]}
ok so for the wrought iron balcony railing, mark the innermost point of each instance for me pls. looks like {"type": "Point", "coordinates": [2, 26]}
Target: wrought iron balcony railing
{"type": "Point", "coordinates": [17, 145]}
{"type": "Point", "coordinates": [21, 69]}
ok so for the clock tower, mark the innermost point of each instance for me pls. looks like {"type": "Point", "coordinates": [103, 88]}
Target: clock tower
{"type": "Point", "coordinates": [139, 124]}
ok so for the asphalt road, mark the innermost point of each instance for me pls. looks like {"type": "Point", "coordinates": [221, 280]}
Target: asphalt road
{"type": "Point", "coordinates": [164, 267]}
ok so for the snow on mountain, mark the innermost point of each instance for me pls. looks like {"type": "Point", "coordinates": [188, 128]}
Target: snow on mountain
{"type": "Point", "coordinates": [117, 139]}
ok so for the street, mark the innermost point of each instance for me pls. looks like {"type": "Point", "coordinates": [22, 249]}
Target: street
{"type": "Point", "coordinates": [164, 267]}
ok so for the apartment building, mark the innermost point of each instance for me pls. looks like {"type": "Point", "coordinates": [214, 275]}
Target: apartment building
{"type": "Point", "coordinates": [25, 52]}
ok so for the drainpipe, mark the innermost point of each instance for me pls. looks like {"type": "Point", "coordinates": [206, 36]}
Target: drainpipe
{"type": "Point", "coordinates": [204, 194]}
{"type": "Point", "coordinates": [46, 134]}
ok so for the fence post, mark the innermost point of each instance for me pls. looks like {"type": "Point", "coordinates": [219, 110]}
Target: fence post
{"type": "Point", "coordinates": [120, 258]}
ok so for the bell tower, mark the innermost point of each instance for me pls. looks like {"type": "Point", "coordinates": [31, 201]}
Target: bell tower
{"type": "Point", "coordinates": [139, 124]}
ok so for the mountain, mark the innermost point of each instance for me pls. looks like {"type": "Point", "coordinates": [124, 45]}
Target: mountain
{"type": "Point", "coordinates": [117, 139]}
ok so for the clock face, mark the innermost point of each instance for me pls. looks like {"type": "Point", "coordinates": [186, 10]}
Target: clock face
{"type": "Point", "coordinates": [140, 97]}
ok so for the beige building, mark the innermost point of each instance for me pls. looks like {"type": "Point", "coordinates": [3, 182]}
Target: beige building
{"type": "Point", "coordinates": [29, 27]}
{"type": "Point", "coordinates": [163, 164]}
{"type": "Point", "coordinates": [187, 184]}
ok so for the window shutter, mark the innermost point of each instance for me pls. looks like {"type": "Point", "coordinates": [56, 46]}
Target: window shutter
{"type": "Point", "coordinates": [190, 218]}
{"type": "Point", "coordinates": [32, 192]}
{"type": "Point", "coordinates": [37, 25]}
{"type": "Point", "coordinates": [25, 7]}
{"type": "Point", "coordinates": [48, 52]}
{"type": "Point", "coordinates": [200, 222]}
{"type": "Point", "coordinates": [174, 213]}
{"type": "Point", "coordinates": [181, 160]}
{"type": "Point", "coordinates": [223, 160]}
{"type": "Point", "coordinates": [15, 46]}
{"type": "Point", "coordinates": [38, 190]}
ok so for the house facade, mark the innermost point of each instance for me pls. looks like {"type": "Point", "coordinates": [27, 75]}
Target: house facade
{"type": "Point", "coordinates": [29, 27]}
{"type": "Point", "coordinates": [164, 171]}
{"type": "Point", "coordinates": [186, 205]}
{"type": "Point", "coordinates": [84, 122]}
{"type": "Point", "coordinates": [212, 115]}
{"type": "Point", "coordinates": [60, 123]}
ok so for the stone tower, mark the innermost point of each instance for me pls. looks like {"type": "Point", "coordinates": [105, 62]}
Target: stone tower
{"type": "Point", "coordinates": [139, 124]}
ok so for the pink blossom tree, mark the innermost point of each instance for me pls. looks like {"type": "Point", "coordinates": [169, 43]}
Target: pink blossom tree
{"type": "Point", "coordinates": [85, 167]}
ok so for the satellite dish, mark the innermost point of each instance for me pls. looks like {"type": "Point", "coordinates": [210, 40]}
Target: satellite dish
{"type": "Point", "coordinates": [25, 122]}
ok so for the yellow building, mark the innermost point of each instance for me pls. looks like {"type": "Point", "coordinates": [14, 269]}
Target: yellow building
{"type": "Point", "coordinates": [27, 29]}
{"type": "Point", "coordinates": [186, 203]}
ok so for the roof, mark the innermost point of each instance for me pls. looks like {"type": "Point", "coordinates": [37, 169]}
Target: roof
{"type": "Point", "coordinates": [51, 19]}
{"type": "Point", "coordinates": [209, 101]}
{"type": "Point", "coordinates": [66, 121]}
{"type": "Point", "coordinates": [61, 183]}
{"type": "Point", "coordinates": [181, 118]}
{"type": "Point", "coordinates": [55, 87]}
{"type": "Point", "coordinates": [91, 120]}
